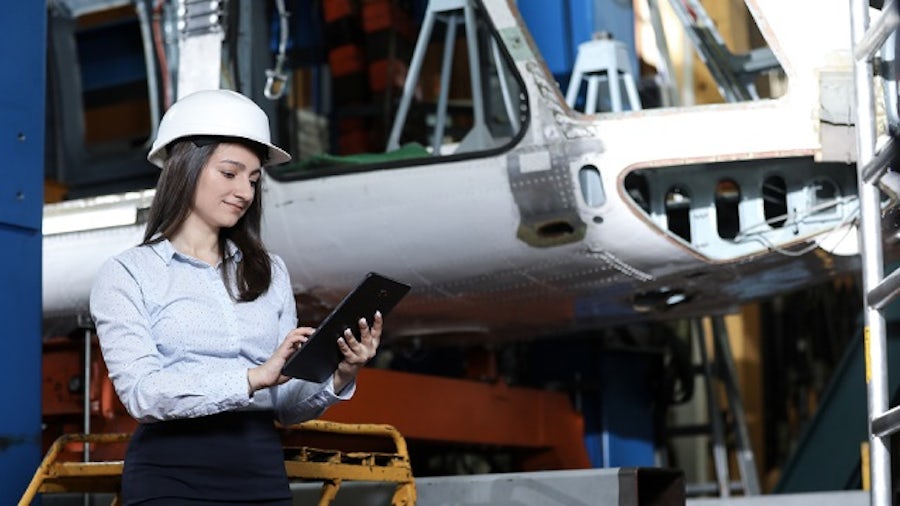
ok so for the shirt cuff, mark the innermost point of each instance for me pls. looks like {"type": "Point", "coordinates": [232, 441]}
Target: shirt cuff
{"type": "Point", "coordinates": [346, 393]}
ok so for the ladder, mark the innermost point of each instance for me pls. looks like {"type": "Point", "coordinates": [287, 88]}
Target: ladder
{"type": "Point", "coordinates": [878, 290]}
{"type": "Point", "coordinates": [720, 368]}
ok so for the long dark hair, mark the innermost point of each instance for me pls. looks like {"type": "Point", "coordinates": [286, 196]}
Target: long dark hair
{"type": "Point", "coordinates": [172, 204]}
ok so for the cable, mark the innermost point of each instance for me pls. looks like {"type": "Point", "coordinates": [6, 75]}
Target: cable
{"type": "Point", "coordinates": [792, 218]}
{"type": "Point", "coordinates": [796, 218]}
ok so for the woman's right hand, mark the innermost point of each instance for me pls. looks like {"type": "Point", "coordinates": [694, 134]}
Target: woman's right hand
{"type": "Point", "coordinates": [268, 373]}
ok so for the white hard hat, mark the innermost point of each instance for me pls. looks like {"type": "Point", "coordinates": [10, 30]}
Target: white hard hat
{"type": "Point", "coordinates": [215, 113]}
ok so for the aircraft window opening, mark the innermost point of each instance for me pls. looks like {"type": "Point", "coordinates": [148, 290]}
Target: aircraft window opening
{"type": "Point", "coordinates": [743, 68]}
{"type": "Point", "coordinates": [462, 96]}
{"type": "Point", "coordinates": [678, 211]}
{"type": "Point", "coordinates": [775, 207]}
{"type": "Point", "coordinates": [636, 188]}
{"type": "Point", "coordinates": [591, 186]}
{"type": "Point", "coordinates": [727, 210]}
{"type": "Point", "coordinates": [482, 108]}
{"type": "Point", "coordinates": [728, 198]}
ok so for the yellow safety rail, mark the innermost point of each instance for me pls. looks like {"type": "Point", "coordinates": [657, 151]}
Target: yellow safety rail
{"type": "Point", "coordinates": [331, 466]}
{"type": "Point", "coordinates": [55, 476]}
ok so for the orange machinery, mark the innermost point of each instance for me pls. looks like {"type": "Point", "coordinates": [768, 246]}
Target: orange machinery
{"type": "Point", "coordinates": [539, 428]}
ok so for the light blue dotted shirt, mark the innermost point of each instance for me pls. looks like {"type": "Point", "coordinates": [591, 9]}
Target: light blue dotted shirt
{"type": "Point", "coordinates": [178, 346]}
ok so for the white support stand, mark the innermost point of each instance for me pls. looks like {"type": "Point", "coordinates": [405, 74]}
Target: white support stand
{"type": "Point", "coordinates": [599, 60]}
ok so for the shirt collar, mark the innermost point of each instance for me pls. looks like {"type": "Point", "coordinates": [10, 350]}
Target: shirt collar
{"type": "Point", "coordinates": [167, 252]}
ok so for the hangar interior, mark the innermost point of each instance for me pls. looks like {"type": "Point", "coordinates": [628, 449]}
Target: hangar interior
{"type": "Point", "coordinates": [695, 393]}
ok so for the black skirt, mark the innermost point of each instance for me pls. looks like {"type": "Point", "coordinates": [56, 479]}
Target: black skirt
{"type": "Point", "coordinates": [227, 458]}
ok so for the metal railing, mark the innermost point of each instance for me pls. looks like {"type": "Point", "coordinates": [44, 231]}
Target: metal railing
{"type": "Point", "coordinates": [332, 466]}
{"type": "Point", "coordinates": [868, 39]}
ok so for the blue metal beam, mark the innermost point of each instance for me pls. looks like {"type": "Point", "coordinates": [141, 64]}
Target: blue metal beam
{"type": "Point", "coordinates": [22, 88]}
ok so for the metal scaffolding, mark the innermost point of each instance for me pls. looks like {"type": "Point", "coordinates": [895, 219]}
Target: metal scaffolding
{"type": "Point", "coordinates": [868, 39]}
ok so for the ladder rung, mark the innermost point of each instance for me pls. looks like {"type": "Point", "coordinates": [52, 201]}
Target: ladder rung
{"type": "Point", "coordinates": [880, 161]}
{"type": "Point", "coordinates": [878, 31]}
{"type": "Point", "coordinates": [885, 291]}
{"type": "Point", "coordinates": [887, 423]}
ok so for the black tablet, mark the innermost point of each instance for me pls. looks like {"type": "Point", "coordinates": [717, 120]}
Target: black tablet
{"type": "Point", "coordinates": [320, 356]}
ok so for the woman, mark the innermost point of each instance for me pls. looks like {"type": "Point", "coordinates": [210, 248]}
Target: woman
{"type": "Point", "coordinates": [196, 322]}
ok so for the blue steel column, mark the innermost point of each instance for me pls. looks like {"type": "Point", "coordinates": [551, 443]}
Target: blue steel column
{"type": "Point", "coordinates": [22, 84]}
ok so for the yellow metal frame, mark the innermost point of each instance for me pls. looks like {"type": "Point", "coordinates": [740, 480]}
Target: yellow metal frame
{"type": "Point", "coordinates": [54, 476]}
{"type": "Point", "coordinates": [332, 467]}
{"type": "Point", "coordinates": [336, 466]}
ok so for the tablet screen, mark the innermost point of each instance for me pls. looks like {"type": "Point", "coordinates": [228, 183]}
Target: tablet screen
{"type": "Point", "coordinates": [320, 356]}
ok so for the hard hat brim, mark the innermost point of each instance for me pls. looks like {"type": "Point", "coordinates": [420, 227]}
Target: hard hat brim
{"type": "Point", "coordinates": [276, 155]}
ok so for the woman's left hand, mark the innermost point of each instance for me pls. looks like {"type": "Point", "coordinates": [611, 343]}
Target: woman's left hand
{"type": "Point", "coordinates": [357, 352]}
